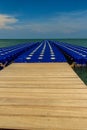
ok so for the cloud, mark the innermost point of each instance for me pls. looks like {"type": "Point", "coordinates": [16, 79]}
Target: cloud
{"type": "Point", "coordinates": [6, 21]}
{"type": "Point", "coordinates": [67, 22]}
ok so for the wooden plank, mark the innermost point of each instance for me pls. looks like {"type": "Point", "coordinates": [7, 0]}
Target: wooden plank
{"type": "Point", "coordinates": [32, 69]}
{"type": "Point", "coordinates": [42, 90]}
{"type": "Point", "coordinates": [42, 102]}
{"type": "Point", "coordinates": [33, 85]}
{"type": "Point", "coordinates": [44, 111]}
{"type": "Point", "coordinates": [31, 96]}
{"type": "Point", "coordinates": [42, 97]}
{"type": "Point", "coordinates": [40, 123]}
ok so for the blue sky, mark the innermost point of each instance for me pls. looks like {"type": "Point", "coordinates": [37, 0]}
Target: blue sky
{"type": "Point", "coordinates": [43, 18]}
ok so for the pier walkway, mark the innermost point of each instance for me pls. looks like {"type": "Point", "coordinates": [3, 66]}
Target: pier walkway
{"type": "Point", "coordinates": [42, 96]}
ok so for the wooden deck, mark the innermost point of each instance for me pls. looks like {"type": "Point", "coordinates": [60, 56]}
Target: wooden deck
{"type": "Point", "coordinates": [42, 97]}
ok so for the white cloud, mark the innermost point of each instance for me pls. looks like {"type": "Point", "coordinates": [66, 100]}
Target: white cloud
{"type": "Point", "coordinates": [6, 21]}
{"type": "Point", "coordinates": [69, 22]}
{"type": "Point", "coordinates": [61, 23]}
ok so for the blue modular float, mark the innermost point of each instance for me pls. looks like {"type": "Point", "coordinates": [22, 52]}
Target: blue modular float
{"type": "Point", "coordinates": [45, 51]}
{"type": "Point", "coordinates": [9, 54]}
{"type": "Point", "coordinates": [77, 53]}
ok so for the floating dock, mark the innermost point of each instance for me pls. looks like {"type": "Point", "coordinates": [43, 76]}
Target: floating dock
{"type": "Point", "coordinates": [42, 96]}
{"type": "Point", "coordinates": [43, 52]}
{"type": "Point", "coordinates": [39, 90]}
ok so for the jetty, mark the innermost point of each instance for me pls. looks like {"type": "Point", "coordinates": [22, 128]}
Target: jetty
{"type": "Point", "coordinates": [42, 95]}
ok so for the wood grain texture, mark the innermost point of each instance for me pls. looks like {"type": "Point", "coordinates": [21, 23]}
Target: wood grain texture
{"type": "Point", "coordinates": [42, 97]}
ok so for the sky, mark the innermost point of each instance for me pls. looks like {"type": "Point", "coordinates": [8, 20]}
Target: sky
{"type": "Point", "coordinates": [43, 19]}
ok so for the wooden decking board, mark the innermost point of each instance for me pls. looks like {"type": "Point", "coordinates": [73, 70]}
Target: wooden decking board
{"type": "Point", "coordinates": [45, 86]}
{"type": "Point", "coordinates": [42, 97]}
{"type": "Point", "coordinates": [35, 123]}
{"type": "Point", "coordinates": [60, 69]}
{"type": "Point", "coordinates": [42, 102]}
{"type": "Point", "coordinates": [43, 111]}
{"type": "Point", "coordinates": [38, 96]}
{"type": "Point", "coordinates": [39, 90]}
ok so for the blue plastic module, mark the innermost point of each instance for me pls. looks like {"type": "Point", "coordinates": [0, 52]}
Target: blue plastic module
{"type": "Point", "coordinates": [9, 54]}
{"type": "Point", "coordinates": [42, 52]}
{"type": "Point", "coordinates": [77, 53]}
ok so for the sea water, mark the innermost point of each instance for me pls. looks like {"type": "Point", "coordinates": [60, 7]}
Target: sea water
{"type": "Point", "coordinates": [10, 42]}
